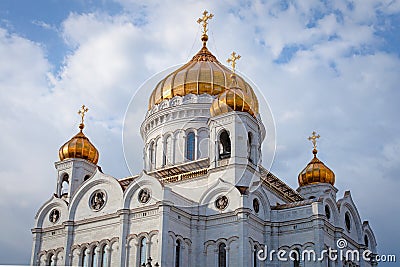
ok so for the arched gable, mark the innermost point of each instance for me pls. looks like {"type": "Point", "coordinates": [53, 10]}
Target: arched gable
{"type": "Point", "coordinates": [335, 216]}
{"type": "Point", "coordinates": [79, 207]}
{"type": "Point", "coordinates": [219, 188]}
{"type": "Point", "coordinates": [346, 204]}
{"type": "Point", "coordinates": [264, 202]}
{"type": "Point", "coordinates": [42, 216]}
{"type": "Point", "coordinates": [131, 194]}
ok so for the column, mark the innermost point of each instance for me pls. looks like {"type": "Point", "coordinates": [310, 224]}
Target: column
{"type": "Point", "coordinates": [163, 231]}
{"type": "Point", "coordinates": [69, 227]}
{"type": "Point", "coordinates": [173, 146]}
{"type": "Point", "coordinates": [108, 251]}
{"type": "Point", "coordinates": [196, 145]}
{"type": "Point", "coordinates": [227, 256]}
{"type": "Point", "coordinates": [37, 236]}
{"type": "Point", "coordinates": [124, 222]}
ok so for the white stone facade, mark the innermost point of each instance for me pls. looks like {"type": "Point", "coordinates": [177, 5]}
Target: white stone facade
{"type": "Point", "coordinates": [196, 203]}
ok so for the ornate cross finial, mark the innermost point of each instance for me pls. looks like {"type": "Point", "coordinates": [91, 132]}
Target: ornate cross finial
{"type": "Point", "coordinates": [232, 60]}
{"type": "Point", "coordinates": [204, 21]}
{"type": "Point", "coordinates": [82, 113]}
{"type": "Point", "coordinates": [313, 138]}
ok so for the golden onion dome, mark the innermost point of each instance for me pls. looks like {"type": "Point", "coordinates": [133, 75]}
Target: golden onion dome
{"type": "Point", "coordinates": [203, 74]}
{"type": "Point", "coordinates": [316, 172]}
{"type": "Point", "coordinates": [79, 146]}
{"type": "Point", "coordinates": [232, 99]}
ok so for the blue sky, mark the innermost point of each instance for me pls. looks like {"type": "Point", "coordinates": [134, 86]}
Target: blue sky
{"type": "Point", "coordinates": [329, 66]}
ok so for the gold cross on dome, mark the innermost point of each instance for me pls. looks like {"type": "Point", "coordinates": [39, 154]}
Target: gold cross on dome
{"type": "Point", "coordinates": [232, 60]}
{"type": "Point", "coordinates": [313, 138]}
{"type": "Point", "coordinates": [82, 112]}
{"type": "Point", "coordinates": [204, 20]}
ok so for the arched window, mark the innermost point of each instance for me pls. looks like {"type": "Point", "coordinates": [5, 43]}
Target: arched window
{"type": "Point", "coordinates": [255, 256]}
{"type": "Point", "coordinates": [93, 257]}
{"type": "Point", "coordinates": [177, 253]}
{"type": "Point", "coordinates": [50, 259]}
{"type": "Point", "coordinates": [347, 221]}
{"type": "Point", "coordinates": [86, 177]}
{"type": "Point", "coordinates": [366, 241]}
{"type": "Point", "coordinates": [327, 212]}
{"type": "Point", "coordinates": [84, 258]}
{"type": "Point", "coordinates": [224, 145]}
{"type": "Point", "coordinates": [222, 255]}
{"type": "Point", "coordinates": [152, 156]}
{"type": "Point", "coordinates": [64, 186]}
{"type": "Point", "coordinates": [142, 250]}
{"type": "Point", "coordinates": [296, 256]}
{"type": "Point", "coordinates": [249, 146]}
{"type": "Point", "coordinates": [190, 143]}
{"type": "Point", "coordinates": [167, 159]}
{"type": "Point", "coordinates": [103, 256]}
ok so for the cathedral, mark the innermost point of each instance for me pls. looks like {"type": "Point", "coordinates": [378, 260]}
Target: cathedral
{"type": "Point", "coordinates": [203, 197]}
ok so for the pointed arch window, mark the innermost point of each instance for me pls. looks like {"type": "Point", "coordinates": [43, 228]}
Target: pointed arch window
{"type": "Point", "coordinates": [142, 251]}
{"type": "Point", "coordinates": [177, 253]}
{"type": "Point", "coordinates": [224, 145]}
{"type": "Point", "coordinates": [222, 255]}
{"type": "Point", "coordinates": [190, 146]}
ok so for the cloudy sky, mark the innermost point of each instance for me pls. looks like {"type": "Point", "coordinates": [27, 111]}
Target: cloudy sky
{"type": "Point", "coordinates": [329, 66]}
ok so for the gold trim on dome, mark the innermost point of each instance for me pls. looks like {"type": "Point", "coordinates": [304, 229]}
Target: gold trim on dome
{"type": "Point", "coordinates": [79, 146]}
{"type": "Point", "coordinates": [232, 100]}
{"type": "Point", "coordinates": [203, 74]}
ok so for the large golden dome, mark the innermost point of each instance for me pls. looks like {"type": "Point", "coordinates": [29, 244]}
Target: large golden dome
{"type": "Point", "coordinates": [203, 74]}
{"type": "Point", "coordinates": [233, 99]}
{"type": "Point", "coordinates": [316, 172]}
{"type": "Point", "coordinates": [79, 146]}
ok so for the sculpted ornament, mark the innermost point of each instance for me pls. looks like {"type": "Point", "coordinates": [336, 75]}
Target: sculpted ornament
{"type": "Point", "coordinates": [256, 205]}
{"type": "Point", "coordinates": [98, 200]}
{"type": "Point", "coordinates": [221, 203]}
{"type": "Point", "coordinates": [54, 216]}
{"type": "Point", "coordinates": [144, 195]}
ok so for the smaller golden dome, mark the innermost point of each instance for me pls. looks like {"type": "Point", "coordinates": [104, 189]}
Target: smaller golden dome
{"type": "Point", "coordinates": [232, 99]}
{"type": "Point", "coordinates": [79, 146]}
{"type": "Point", "coordinates": [316, 172]}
